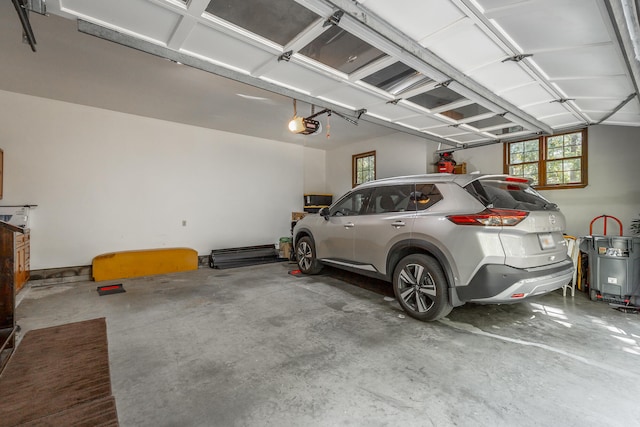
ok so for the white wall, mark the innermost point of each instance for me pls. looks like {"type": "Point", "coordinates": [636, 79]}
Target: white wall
{"type": "Point", "coordinates": [613, 158]}
{"type": "Point", "coordinates": [315, 171]}
{"type": "Point", "coordinates": [487, 159]}
{"type": "Point", "coordinates": [106, 181]}
{"type": "Point", "coordinates": [614, 187]}
{"type": "Point", "coordinates": [399, 154]}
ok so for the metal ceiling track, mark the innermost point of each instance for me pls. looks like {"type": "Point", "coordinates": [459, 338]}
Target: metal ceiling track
{"type": "Point", "coordinates": [371, 28]}
{"type": "Point", "coordinates": [166, 53]}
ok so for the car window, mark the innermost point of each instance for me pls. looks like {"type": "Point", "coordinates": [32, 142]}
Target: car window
{"type": "Point", "coordinates": [391, 198]}
{"type": "Point", "coordinates": [424, 196]}
{"type": "Point", "coordinates": [353, 204]}
{"type": "Point", "coordinates": [504, 194]}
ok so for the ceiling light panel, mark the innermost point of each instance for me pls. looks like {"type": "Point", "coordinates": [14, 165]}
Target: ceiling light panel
{"type": "Point", "coordinates": [279, 21]}
{"type": "Point", "coordinates": [341, 50]}
{"type": "Point", "coordinates": [226, 50]}
{"type": "Point", "coordinates": [142, 18]}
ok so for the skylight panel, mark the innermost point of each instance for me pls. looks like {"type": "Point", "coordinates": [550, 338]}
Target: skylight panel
{"type": "Point", "coordinates": [508, 130]}
{"type": "Point", "coordinates": [436, 98]}
{"type": "Point", "coordinates": [490, 122]}
{"type": "Point", "coordinates": [276, 20]}
{"type": "Point", "coordinates": [396, 78]}
{"type": "Point", "coordinates": [341, 50]}
{"type": "Point", "coordinates": [466, 111]}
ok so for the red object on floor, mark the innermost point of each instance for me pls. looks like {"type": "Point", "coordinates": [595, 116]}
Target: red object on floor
{"type": "Point", "coordinates": [295, 272]}
{"type": "Point", "coordinates": [110, 289]}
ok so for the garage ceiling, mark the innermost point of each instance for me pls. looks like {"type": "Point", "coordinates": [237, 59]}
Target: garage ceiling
{"type": "Point", "coordinates": [458, 72]}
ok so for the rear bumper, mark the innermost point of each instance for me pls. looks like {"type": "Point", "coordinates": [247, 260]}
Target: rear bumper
{"type": "Point", "coordinates": [501, 284]}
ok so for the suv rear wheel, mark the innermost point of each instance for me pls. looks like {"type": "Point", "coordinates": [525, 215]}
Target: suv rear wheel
{"type": "Point", "coordinates": [421, 288]}
{"type": "Point", "coordinates": [306, 255]}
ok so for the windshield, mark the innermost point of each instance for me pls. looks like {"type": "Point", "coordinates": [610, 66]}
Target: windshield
{"type": "Point", "coordinates": [506, 194]}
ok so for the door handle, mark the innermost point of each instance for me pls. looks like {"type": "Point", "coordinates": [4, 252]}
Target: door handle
{"type": "Point", "coordinates": [349, 225]}
{"type": "Point", "coordinates": [398, 224]}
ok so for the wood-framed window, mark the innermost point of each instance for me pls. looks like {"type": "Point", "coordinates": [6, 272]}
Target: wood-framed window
{"type": "Point", "coordinates": [363, 168]}
{"type": "Point", "coordinates": [551, 162]}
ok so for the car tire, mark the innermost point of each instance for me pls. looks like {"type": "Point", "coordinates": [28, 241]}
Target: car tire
{"type": "Point", "coordinates": [306, 256]}
{"type": "Point", "coordinates": [421, 287]}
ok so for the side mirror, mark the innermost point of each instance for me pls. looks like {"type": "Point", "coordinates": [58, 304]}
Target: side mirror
{"type": "Point", "coordinates": [324, 212]}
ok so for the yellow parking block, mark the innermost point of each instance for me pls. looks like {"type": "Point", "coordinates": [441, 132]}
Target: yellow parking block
{"type": "Point", "coordinates": [146, 262]}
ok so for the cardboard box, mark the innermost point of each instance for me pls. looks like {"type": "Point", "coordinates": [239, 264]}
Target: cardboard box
{"type": "Point", "coordinates": [296, 216]}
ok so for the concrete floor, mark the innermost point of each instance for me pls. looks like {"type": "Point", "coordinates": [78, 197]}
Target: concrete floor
{"type": "Point", "coordinates": [255, 346]}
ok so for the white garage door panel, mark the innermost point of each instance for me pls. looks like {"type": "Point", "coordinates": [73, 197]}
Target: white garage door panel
{"type": "Point", "coordinates": [628, 115]}
{"type": "Point", "coordinates": [301, 77]}
{"type": "Point", "coordinates": [599, 104]}
{"type": "Point", "coordinates": [501, 75]}
{"type": "Point", "coordinates": [138, 17]}
{"type": "Point", "coordinates": [546, 109]}
{"type": "Point", "coordinates": [466, 37]}
{"type": "Point", "coordinates": [579, 62]}
{"type": "Point", "coordinates": [469, 138]}
{"type": "Point", "coordinates": [417, 18]}
{"type": "Point", "coordinates": [421, 122]}
{"type": "Point", "coordinates": [346, 94]}
{"type": "Point", "coordinates": [446, 131]}
{"type": "Point", "coordinates": [610, 87]}
{"type": "Point", "coordinates": [563, 23]}
{"type": "Point", "coordinates": [562, 121]}
{"type": "Point", "coordinates": [527, 95]}
{"type": "Point", "coordinates": [226, 49]}
{"type": "Point", "coordinates": [394, 112]}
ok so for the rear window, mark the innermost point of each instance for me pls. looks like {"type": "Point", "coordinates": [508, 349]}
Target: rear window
{"type": "Point", "coordinates": [503, 194]}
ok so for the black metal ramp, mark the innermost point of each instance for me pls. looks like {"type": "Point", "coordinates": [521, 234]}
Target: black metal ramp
{"type": "Point", "coordinates": [240, 257]}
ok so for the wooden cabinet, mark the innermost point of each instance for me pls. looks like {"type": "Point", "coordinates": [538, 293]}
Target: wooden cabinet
{"type": "Point", "coordinates": [22, 256]}
{"type": "Point", "coordinates": [9, 247]}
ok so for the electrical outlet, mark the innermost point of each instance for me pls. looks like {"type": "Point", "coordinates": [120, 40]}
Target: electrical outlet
{"type": "Point", "coordinates": [184, 222]}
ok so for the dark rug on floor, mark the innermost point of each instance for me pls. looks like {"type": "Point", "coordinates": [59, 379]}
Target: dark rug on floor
{"type": "Point", "coordinates": [59, 376]}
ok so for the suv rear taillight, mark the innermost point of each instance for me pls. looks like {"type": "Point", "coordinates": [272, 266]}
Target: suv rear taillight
{"type": "Point", "coordinates": [490, 217]}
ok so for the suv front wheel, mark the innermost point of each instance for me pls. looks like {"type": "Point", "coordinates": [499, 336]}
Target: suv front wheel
{"type": "Point", "coordinates": [306, 255]}
{"type": "Point", "coordinates": [421, 288]}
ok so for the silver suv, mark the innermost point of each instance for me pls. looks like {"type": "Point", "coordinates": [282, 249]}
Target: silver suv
{"type": "Point", "coordinates": [442, 240]}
